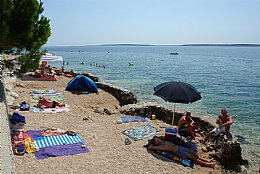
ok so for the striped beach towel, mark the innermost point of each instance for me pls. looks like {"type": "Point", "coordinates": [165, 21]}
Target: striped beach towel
{"type": "Point", "coordinates": [46, 141]}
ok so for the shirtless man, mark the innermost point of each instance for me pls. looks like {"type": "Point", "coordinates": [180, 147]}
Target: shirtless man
{"type": "Point", "coordinates": [187, 124]}
{"type": "Point", "coordinates": [45, 102]}
{"type": "Point", "coordinates": [157, 144]}
{"type": "Point", "coordinates": [224, 121]}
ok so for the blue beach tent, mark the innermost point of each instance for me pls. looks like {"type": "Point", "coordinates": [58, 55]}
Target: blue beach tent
{"type": "Point", "coordinates": [82, 83]}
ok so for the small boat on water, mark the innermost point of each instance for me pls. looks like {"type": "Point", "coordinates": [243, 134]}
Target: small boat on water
{"type": "Point", "coordinates": [174, 53]}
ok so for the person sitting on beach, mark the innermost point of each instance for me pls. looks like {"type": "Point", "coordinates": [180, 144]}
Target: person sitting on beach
{"type": "Point", "coordinates": [224, 121]}
{"type": "Point", "coordinates": [38, 72]}
{"type": "Point", "coordinates": [186, 126]}
{"type": "Point", "coordinates": [159, 145]}
{"type": "Point", "coordinates": [45, 102]}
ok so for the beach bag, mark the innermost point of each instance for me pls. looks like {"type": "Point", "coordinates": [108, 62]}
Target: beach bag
{"type": "Point", "coordinates": [17, 118]}
{"type": "Point", "coordinates": [24, 106]}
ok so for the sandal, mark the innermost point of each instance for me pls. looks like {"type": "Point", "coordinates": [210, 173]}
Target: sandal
{"type": "Point", "coordinates": [127, 141]}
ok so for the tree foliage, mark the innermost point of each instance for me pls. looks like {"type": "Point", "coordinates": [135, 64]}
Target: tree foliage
{"type": "Point", "coordinates": [23, 27]}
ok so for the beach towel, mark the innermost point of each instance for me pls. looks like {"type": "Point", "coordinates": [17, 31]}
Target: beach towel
{"type": "Point", "coordinates": [34, 133]}
{"type": "Point", "coordinates": [184, 162]}
{"type": "Point", "coordinates": [56, 97]}
{"type": "Point", "coordinates": [43, 91]}
{"type": "Point", "coordinates": [140, 132]}
{"type": "Point", "coordinates": [187, 144]}
{"type": "Point", "coordinates": [45, 141]}
{"type": "Point", "coordinates": [55, 110]}
{"type": "Point", "coordinates": [127, 119]}
{"type": "Point", "coordinates": [61, 150]}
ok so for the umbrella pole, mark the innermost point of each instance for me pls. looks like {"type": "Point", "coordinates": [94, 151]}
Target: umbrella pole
{"type": "Point", "coordinates": [173, 113]}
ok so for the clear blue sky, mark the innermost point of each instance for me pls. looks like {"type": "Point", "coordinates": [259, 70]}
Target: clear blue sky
{"type": "Point", "coordinates": [88, 22]}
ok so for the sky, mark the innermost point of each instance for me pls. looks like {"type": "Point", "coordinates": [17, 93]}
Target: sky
{"type": "Point", "coordinates": [162, 22]}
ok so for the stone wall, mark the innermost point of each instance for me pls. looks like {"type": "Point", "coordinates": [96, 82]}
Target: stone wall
{"type": "Point", "coordinates": [6, 152]}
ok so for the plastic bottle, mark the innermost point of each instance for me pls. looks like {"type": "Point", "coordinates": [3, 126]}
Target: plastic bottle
{"type": "Point", "coordinates": [186, 162]}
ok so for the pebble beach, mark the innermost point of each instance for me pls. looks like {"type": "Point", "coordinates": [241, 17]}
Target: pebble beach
{"type": "Point", "coordinates": [100, 132]}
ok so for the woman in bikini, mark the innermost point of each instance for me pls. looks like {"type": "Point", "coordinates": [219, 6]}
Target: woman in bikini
{"type": "Point", "coordinates": [157, 144]}
{"type": "Point", "coordinates": [45, 102]}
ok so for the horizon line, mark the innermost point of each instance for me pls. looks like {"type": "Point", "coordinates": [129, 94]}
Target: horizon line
{"type": "Point", "coordinates": [134, 44]}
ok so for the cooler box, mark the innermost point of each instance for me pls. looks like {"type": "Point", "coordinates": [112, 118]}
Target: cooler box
{"type": "Point", "coordinates": [170, 133]}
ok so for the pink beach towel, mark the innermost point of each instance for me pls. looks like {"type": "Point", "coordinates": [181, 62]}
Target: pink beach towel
{"type": "Point", "coordinates": [55, 110]}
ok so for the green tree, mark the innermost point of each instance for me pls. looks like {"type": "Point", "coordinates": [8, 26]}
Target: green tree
{"type": "Point", "coordinates": [23, 27]}
{"type": "Point", "coordinates": [6, 8]}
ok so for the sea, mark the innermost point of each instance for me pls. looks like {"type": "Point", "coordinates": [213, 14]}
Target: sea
{"type": "Point", "coordinates": [226, 76]}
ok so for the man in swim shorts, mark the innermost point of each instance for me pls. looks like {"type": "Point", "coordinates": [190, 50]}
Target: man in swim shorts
{"type": "Point", "coordinates": [186, 126]}
{"type": "Point", "coordinates": [159, 145]}
{"type": "Point", "coordinates": [224, 121]}
{"type": "Point", "coordinates": [45, 102]}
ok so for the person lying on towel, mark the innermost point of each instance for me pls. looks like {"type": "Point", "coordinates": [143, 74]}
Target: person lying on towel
{"type": "Point", "coordinates": [45, 102]}
{"type": "Point", "coordinates": [179, 153]}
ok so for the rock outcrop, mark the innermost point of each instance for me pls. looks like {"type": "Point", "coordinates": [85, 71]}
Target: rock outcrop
{"type": "Point", "coordinates": [124, 96]}
{"type": "Point", "coordinates": [89, 75]}
{"type": "Point", "coordinates": [227, 152]}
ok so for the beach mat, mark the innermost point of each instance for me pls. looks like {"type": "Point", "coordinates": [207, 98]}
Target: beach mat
{"type": "Point", "coordinates": [44, 91]}
{"type": "Point", "coordinates": [45, 141]}
{"type": "Point", "coordinates": [140, 132]}
{"type": "Point", "coordinates": [56, 97]}
{"type": "Point", "coordinates": [127, 119]}
{"type": "Point", "coordinates": [51, 110]}
{"type": "Point", "coordinates": [61, 150]}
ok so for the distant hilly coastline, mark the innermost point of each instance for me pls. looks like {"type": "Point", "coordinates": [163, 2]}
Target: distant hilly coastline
{"type": "Point", "coordinates": [229, 45]}
{"type": "Point", "coordinates": [220, 45]}
{"type": "Point", "coordinates": [127, 45]}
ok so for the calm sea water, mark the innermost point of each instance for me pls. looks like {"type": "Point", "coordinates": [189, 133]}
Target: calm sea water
{"type": "Point", "coordinates": [225, 76]}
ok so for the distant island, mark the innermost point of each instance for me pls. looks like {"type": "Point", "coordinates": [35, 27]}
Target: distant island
{"type": "Point", "coordinates": [229, 45]}
{"type": "Point", "coordinates": [127, 45]}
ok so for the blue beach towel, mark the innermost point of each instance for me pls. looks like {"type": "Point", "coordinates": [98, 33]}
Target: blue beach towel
{"type": "Point", "coordinates": [45, 141]}
{"type": "Point", "coordinates": [184, 162]}
{"type": "Point", "coordinates": [127, 119]}
{"type": "Point", "coordinates": [140, 132]}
